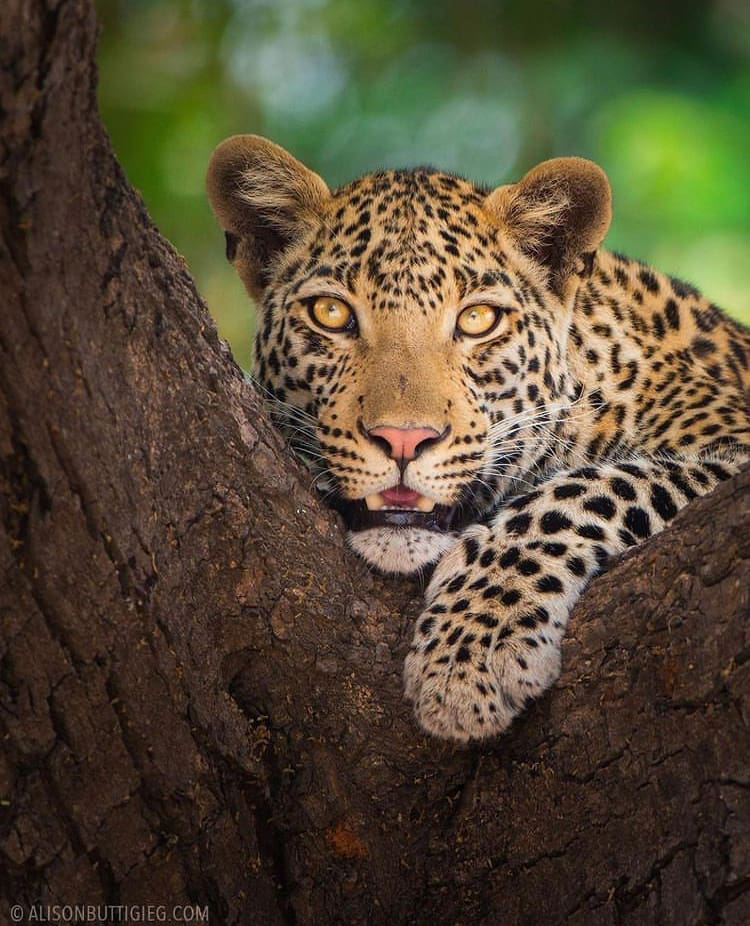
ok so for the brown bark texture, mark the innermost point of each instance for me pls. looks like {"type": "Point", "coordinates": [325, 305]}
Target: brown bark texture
{"type": "Point", "coordinates": [200, 687]}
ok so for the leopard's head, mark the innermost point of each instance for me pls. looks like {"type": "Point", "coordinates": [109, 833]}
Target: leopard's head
{"type": "Point", "coordinates": [412, 328]}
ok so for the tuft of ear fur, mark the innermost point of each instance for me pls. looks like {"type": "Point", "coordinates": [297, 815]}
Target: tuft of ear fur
{"type": "Point", "coordinates": [558, 214]}
{"type": "Point", "coordinates": [263, 198]}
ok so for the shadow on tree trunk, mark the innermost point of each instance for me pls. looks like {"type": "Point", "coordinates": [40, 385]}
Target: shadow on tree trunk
{"type": "Point", "coordinates": [200, 687]}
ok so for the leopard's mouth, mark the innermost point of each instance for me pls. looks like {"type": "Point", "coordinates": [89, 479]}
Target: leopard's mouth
{"type": "Point", "coordinates": [400, 507]}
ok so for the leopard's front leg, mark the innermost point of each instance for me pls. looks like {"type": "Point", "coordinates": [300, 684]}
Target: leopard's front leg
{"type": "Point", "coordinates": [498, 604]}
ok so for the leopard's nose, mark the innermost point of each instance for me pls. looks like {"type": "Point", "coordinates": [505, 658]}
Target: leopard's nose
{"type": "Point", "coordinates": [404, 444]}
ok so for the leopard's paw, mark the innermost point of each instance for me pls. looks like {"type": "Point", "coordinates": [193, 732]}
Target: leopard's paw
{"type": "Point", "coordinates": [469, 679]}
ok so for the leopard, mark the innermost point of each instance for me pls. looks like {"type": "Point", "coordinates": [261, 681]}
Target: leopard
{"type": "Point", "coordinates": [494, 402]}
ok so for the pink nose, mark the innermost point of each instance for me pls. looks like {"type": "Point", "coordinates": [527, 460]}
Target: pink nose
{"type": "Point", "coordinates": [405, 443]}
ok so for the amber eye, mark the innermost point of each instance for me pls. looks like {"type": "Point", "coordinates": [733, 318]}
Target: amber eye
{"type": "Point", "coordinates": [476, 320]}
{"type": "Point", "coordinates": [331, 313]}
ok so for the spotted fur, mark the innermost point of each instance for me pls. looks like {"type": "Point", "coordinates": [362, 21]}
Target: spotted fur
{"type": "Point", "coordinates": [608, 396]}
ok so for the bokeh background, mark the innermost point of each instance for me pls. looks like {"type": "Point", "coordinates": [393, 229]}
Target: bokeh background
{"type": "Point", "coordinates": [657, 92]}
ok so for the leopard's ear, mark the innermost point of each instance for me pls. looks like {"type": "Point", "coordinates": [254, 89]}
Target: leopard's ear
{"type": "Point", "coordinates": [263, 198]}
{"type": "Point", "coordinates": [558, 214]}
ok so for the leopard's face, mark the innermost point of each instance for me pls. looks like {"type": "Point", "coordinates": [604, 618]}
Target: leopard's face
{"type": "Point", "coordinates": [412, 348]}
{"type": "Point", "coordinates": [406, 311]}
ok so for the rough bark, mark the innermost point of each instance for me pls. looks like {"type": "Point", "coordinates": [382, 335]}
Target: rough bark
{"type": "Point", "coordinates": [200, 695]}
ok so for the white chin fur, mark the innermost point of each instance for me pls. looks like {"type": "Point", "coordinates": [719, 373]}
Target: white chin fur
{"type": "Point", "coordinates": [400, 550]}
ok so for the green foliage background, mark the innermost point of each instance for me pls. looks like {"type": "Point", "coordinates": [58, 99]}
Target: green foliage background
{"type": "Point", "coordinates": [658, 93]}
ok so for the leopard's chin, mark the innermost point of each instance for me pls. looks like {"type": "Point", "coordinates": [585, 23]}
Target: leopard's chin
{"type": "Point", "coordinates": [401, 550]}
{"type": "Point", "coordinates": [404, 539]}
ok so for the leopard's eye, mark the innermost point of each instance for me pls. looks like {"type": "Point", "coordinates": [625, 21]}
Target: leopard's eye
{"type": "Point", "coordinates": [477, 320]}
{"type": "Point", "coordinates": [332, 314]}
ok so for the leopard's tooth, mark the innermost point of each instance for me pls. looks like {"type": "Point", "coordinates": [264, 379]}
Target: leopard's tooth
{"type": "Point", "coordinates": [374, 502]}
{"type": "Point", "coordinates": [425, 504]}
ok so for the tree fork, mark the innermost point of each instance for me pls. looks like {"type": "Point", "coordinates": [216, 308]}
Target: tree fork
{"type": "Point", "coordinates": [200, 687]}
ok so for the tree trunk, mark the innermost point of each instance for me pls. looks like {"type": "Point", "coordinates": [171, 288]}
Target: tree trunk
{"type": "Point", "coordinates": [200, 688]}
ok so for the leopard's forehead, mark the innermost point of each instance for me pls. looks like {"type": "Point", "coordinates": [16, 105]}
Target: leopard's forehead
{"type": "Point", "coordinates": [408, 238]}
{"type": "Point", "coordinates": [400, 195]}
{"type": "Point", "coordinates": [413, 216]}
